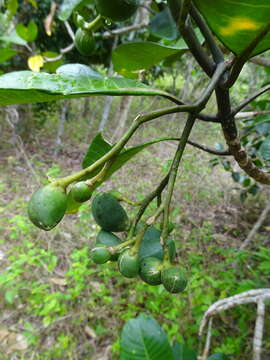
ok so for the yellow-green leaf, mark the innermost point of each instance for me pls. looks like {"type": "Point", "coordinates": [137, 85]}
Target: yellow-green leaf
{"type": "Point", "coordinates": [236, 22]}
{"type": "Point", "coordinates": [35, 63]}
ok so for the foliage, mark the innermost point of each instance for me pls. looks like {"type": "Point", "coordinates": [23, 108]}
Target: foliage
{"type": "Point", "coordinates": [174, 29]}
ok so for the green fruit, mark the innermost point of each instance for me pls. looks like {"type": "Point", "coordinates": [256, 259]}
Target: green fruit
{"type": "Point", "coordinates": [84, 42]}
{"type": "Point", "coordinates": [108, 239]}
{"type": "Point", "coordinates": [117, 10]}
{"type": "Point", "coordinates": [108, 213]}
{"type": "Point", "coordinates": [128, 264]}
{"type": "Point", "coordinates": [47, 206]}
{"type": "Point", "coordinates": [100, 254]}
{"type": "Point", "coordinates": [150, 270]}
{"type": "Point", "coordinates": [81, 192]}
{"type": "Point", "coordinates": [173, 279]}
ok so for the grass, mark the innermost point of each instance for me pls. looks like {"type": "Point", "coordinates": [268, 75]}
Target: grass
{"type": "Point", "coordinates": [64, 306]}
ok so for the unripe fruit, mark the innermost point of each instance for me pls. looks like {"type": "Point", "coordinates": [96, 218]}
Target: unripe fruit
{"type": "Point", "coordinates": [84, 42]}
{"type": "Point", "coordinates": [128, 264]}
{"type": "Point", "coordinates": [108, 213]}
{"type": "Point", "coordinates": [47, 206]}
{"type": "Point", "coordinates": [117, 10]}
{"type": "Point", "coordinates": [173, 279]}
{"type": "Point", "coordinates": [150, 270]}
{"type": "Point", "coordinates": [100, 254]}
{"type": "Point", "coordinates": [81, 192]}
{"type": "Point", "coordinates": [108, 239]}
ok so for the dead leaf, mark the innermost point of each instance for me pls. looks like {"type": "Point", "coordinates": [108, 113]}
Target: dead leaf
{"type": "Point", "coordinates": [90, 332]}
{"type": "Point", "coordinates": [58, 281]}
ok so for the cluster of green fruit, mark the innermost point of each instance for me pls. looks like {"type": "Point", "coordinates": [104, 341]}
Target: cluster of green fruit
{"type": "Point", "coordinates": [114, 10]}
{"type": "Point", "coordinates": [141, 255]}
{"type": "Point", "coordinates": [111, 217]}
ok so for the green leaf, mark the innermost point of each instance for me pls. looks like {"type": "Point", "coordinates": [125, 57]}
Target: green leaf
{"type": "Point", "coordinates": [27, 33]}
{"type": "Point", "coordinates": [6, 54]}
{"type": "Point", "coordinates": [182, 352]}
{"type": "Point", "coordinates": [218, 357]}
{"type": "Point", "coordinates": [264, 149]}
{"type": "Point", "coordinates": [163, 26]}
{"type": "Point", "coordinates": [29, 87]}
{"type": "Point", "coordinates": [143, 55]}
{"type": "Point", "coordinates": [96, 150]}
{"type": "Point", "coordinates": [100, 147]}
{"type": "Point", "coordinates": [13, 38]}
{"type": "Point", "coordinates": [67, 8]}
{"type": "Point", "coordinates": [143, 339]}
{"type": "Point", "coordinates": [236, 22]}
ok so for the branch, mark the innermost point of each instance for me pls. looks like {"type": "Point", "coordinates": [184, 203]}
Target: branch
{"type": "Point", "coordinates": [246, 297]}
{"type": "Point", "coordinates": [249, 114]}
{"type": "Point", "coordinates": [66, 49]}
{"type": "Point", "coordinates": [258, 296]}
{"type": "Point", "coordinates": [215, 50]}
{"type": "Point", "coordinates": [231, 135]}
{"type": "Point", "coordinates": [124, 30]}
{"type": "Point", "coordinates": [245, 102]}
{"type": "Point", "coordinates": [244, 56]}
{"type": "Point", "coordinates": [258, 332]}
{"type": "Point", "coordinates": [259, 60]}
{"type": "Point", "coordinates": [209, 150]}
{"type": "Point", "coordinates": [196, 49]}
{"type": "Point", "coordinates": [256, 227]}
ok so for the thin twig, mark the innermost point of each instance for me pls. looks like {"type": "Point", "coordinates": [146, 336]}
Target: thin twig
{"type": "Point", "coordinates": [124, 30]}
{"type": "Point", "coordinates": [209, 150]}
{"type": "Point", "coordinates": [248, 100]}
{"type": "Point", "coordinates": [256, 227]}
{"type": "Point", "coordinates": [262, 61]}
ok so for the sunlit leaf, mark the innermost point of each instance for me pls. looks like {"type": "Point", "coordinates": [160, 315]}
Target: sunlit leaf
{"type": "Point", "coordinates": [236, 22]}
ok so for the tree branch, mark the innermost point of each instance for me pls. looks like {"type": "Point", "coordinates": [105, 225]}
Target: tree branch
{"type": "Point", "coordinates": [245, 102]}
{"type": "Point", "coordinates": [256, 227]}
{"type": "Point", "coordinates": [231, 135]}
{"type": "Point", "coordinates": [124, 30]}
{"type": "Point", "coordinates": [262, 61]}
{"type": "Point", "coordinates": [215, 50]}
{"type": "Point", "coordinates": [209, 150]}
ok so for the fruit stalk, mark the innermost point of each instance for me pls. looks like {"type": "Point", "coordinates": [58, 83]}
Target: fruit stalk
{"type": "Point", "coordinates": [172, 177]}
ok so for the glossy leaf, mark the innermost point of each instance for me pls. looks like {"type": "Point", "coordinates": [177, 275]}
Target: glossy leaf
{"type": "Point", "coordinates": [163, 26]}
{"type": "Point", "coordinates": [182, 352]}
{"type": "Point", "coordinates": [28, 87]}
{"type": "Point", "coordinates": [143, 55]}
{"type": "Point", "coordinates": [143, 339]}
{"type": "Point", "coordinates": [236, 22]}
{"type": "Point", "coordinates": [96, 150]}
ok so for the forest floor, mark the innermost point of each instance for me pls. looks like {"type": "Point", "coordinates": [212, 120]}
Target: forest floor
{"type": "Point", "coordinates": [56, 304]}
